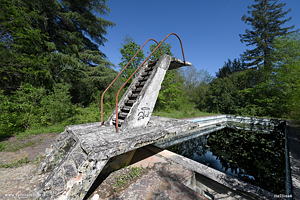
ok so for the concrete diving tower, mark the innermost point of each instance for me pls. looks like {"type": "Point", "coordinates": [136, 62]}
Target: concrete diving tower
{"type": "Point", "coordinates": [84, 153]}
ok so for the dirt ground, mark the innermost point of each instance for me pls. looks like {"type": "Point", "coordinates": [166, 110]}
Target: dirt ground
{"type": "Point", "coordinates": [19, 182]}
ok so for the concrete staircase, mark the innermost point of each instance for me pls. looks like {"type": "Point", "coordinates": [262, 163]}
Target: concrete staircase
{"type": "Point", "coordinates": [85, 152]}
{"type": "Point", "coordinates": [137, 104]}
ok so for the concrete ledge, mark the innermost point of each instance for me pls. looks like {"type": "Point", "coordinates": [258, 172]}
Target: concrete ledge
{"type": "Point", "coordinates": [229, 187]}
{"type": "Point", "coordinates": [95, 145]}
{"type": "Point", "coordinates": [293, 133]}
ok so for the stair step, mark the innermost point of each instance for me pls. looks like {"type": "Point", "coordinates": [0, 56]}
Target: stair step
{"type": "Point", "coordinates": [132, 96]}
{"type": "Point", "coordinates": [145, 78]}
{"type": "Point", "coordinates": [129, 102]}
{"type": "Point", "coordinates": [137, 90]}
{"type": "Point", "coordinates": [120, 121]}
{"type": "Point", "coordinates": [145, 74]}
{"type": "Point", "coordinates": [140, 84]}
{"type": "Point", "coordinates": [148, 69]}
{"type": "Point", "coordinates": [125, 109]}
{"type": "Point", "coordinates": [122, 115]}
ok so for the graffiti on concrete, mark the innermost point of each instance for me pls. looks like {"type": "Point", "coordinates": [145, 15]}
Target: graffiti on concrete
{"type": "Point", "coordinates": [144, 113]}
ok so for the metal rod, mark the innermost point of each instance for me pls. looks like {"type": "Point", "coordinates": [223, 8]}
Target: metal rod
{"type": "Point", "coordinates": [158, 46]}
{"type": "Point", "coordinates": [121, 73]}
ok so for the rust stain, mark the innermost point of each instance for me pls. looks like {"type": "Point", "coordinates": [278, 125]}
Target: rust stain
{"type": "Point", "coordinates": [79, 177]}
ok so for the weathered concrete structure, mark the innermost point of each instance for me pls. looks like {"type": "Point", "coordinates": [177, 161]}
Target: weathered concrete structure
{"type": "Point", "coordinates": [136, 105]}
{"type": "Point", "coordinates": [84, 153]}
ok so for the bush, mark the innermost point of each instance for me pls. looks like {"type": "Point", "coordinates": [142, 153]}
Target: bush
{"type": "Point", "coordinates": [56, 106]}
{"type": "Point", "coordinates": [30, 106]}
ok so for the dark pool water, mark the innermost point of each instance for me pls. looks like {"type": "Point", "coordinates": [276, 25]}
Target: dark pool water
{"type": "Point", "coordinates": [254, 157]}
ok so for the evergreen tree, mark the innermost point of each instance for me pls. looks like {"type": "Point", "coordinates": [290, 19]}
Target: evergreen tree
{"type": "Point", "coordinates": [266, 23]}
{"type": "Point", "coordinates": [44, 42]}
{"type": "Point", "coordinates": [20, 45]}
{"type": "Point", "coordinates": [231, 67]}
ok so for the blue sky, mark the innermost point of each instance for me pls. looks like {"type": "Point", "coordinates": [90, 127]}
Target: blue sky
{"type": "Point", "coordinates": [209, 29]}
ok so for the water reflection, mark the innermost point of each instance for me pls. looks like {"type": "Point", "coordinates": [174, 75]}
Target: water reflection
{"type": "Point", "coordinates": [255, 157]}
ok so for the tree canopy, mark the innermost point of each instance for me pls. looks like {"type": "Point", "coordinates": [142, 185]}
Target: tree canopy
{"type": "Point", "coordinates": [230, 67]}
{"type": "Point", "coordinates": [266, 22]}
{"type": "Point", "coordinates": [128, 50]}
{"type": "Point", "coordinates": [49, 42]}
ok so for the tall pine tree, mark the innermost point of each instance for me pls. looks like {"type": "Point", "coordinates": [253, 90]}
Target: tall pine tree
{"type": "Point", "coordinates": [266, 22]}
{"type": "Point", "coordinates": [44, 42]}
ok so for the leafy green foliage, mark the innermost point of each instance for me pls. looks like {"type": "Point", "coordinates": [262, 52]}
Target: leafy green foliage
{"type": "Point", "coordinates": [128, 50]}
{"type": "Point", "coordinates": [50, 57]}
{"type": "Point", "coordinates": [285, 79]}
{"type": "Point", "coordinates": [165, 49]}
{"type": "Point", "coordinates": [278, 93]}
{"type": "Point", "coordinates": [20, 46]}
{"type": "Point", "coordinates": [228, 95]}
{"type": "Point", "coordinates": [195, 85]}
{"type": "Point", "coordinates": [30, 106]}
{"type": "Point", "coordinates": [231, 67]}
{"type": "Point", "coordinates": [170, 95]}
{"type": "Point", "coordinates": [49, 42]}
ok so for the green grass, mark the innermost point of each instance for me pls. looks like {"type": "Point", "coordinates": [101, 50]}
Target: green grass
{"type": "Point", "coordinates": [85, 115]}
{"type": "Point", "coordinates": [122, 181]}
{"type": "Point", "coordinates": [16, 163]}
{"type": "Point", "coordinates": [181, 114]}
{"type": "Point", "coordinates": [57, 128]}
{"type": "Point", "coordinates": [7, 146]}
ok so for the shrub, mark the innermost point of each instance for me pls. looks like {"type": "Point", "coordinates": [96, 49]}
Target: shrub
{"type": "Point", "coordinates": [30, 106]}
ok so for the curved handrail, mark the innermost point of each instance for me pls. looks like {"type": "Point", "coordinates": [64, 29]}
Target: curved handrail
{"type": "Point", "coordinates": [158, 46]}
{"type": "Point", "coordinates": [121, 73]}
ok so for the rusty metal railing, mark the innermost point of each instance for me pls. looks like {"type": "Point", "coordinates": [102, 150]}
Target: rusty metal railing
{"type": "Point", "coordinates": [121, 73]}
{"type": "Point", "coordinates": [158, 46]}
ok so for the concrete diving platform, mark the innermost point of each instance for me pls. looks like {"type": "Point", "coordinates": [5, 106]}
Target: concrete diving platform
{"type": "Point", "coordinates": [84, 154]}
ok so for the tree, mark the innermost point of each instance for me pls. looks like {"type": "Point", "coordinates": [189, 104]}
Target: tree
{"type": "Point", "coordinates": [231, 67]}
{"type": "Point", "coordinates": [286, 74]}
{"type": "Point", "coordinates": [227, 96]}
{"type": "Point", "coordinates": [195, 85]}
{"type": "Point", "coordinates": [62, 37]}
{"type": "Point", "coordinates": [278, 95]}
{"type": "Point", "coordinates": [165, 49]}
{"type": "Point", "coordinates": [20, 45]}
{"type": "Point", "coordinates": [266, 23]}
{"type": "Point", "coordinates": [128, 50]}
{"type": "Point", "coordinates": [170, 95]}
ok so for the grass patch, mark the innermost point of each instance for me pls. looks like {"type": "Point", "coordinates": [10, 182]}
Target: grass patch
{"type": "Point", "coordinates": [122, 181]}
{"type": "Point", "coordinates": [85, 115]}
{"type": "Point", "coordinates": [16, 163]}
{"type": "Point", "coordinates": [18, 145]}
{"type": "Point", "coordinates": [3, 145]}
{"type": "Point", "coordinates": [57, 128]}
{"type": "Point", "coordinates": [178, 114]}
{"type": "Point", "coordinates": [37, 161]}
